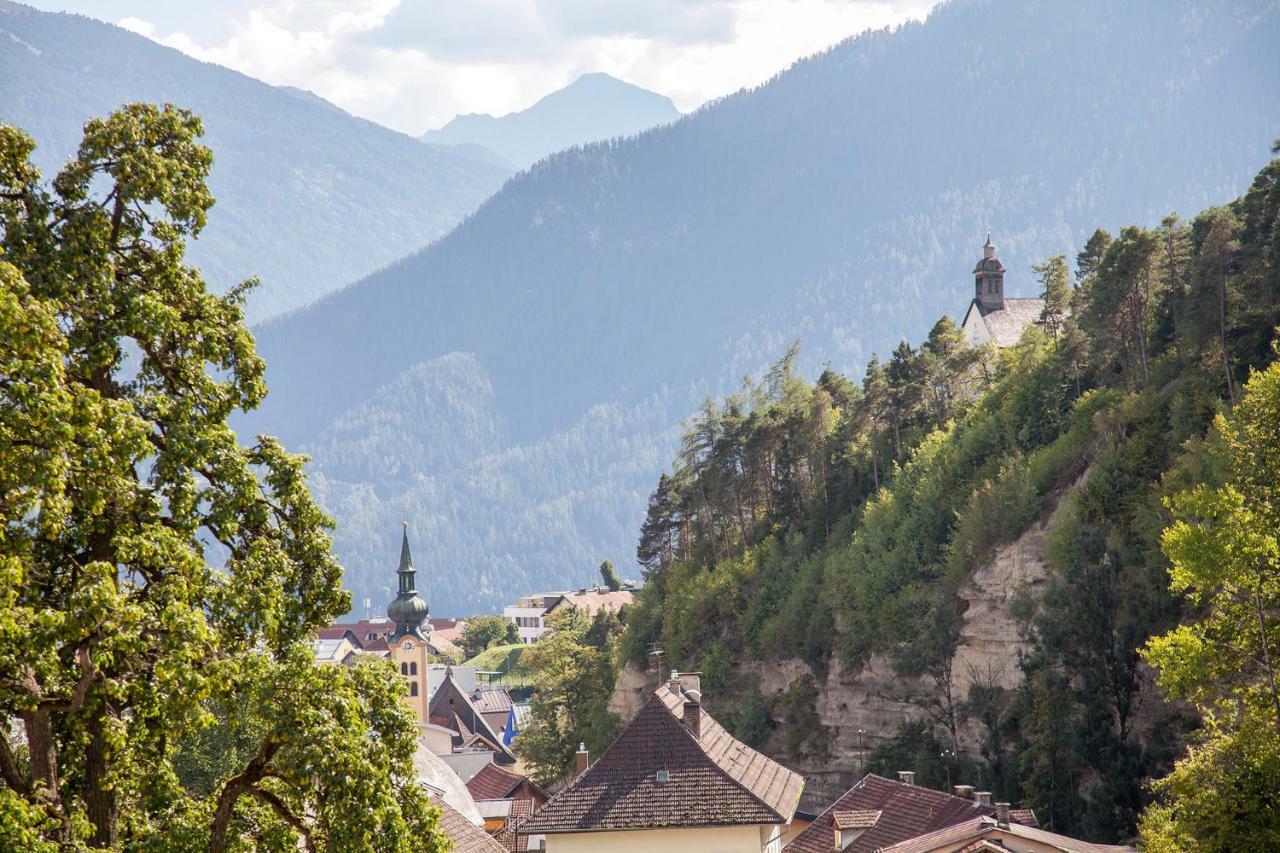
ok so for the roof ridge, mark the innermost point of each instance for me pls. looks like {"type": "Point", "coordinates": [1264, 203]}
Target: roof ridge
{"type": "Point", "coordinates": [651, 730]}
{"type": "Point", "coordinates": [707, 718]}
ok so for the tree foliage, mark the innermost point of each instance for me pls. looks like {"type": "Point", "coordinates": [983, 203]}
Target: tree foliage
{"type": "Point", "coordinates": [609, 575]}
{"type": "Point", "coordinates": [1224, 552]}
{"type": "Point", "coordinates": [574, 667]}
{"type": "Point", "coordinates": [831, 521]}
{"type": "Point", "coordinates": [482, 632]}
{"type": "Point", "coordinates": [120, 480]}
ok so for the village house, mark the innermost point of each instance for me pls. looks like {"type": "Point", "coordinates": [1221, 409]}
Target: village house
{"type": "Point", "coordinates": [877, 812]}
{"type": "Point", "coordinates": [673, 779]}
{"type": "Point", "coordinates": [880, 815]}
{"type": "Point", "coordinates": [506, 800]}
{"type": "Point", "coordinates": [991, 316]}
{"type": "Point", "coordinates": [999, 834]}
{"type": "Point", "coordinates": [452, 709]}
{"type": "Point", "coordinates": [460, 817]}
{"type": "Point", "coordinates": [531, 612]}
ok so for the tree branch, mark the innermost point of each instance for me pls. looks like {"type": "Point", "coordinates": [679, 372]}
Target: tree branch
{"type": "Point", "coordinates": [9, 769]}
{"type": "Point", "coordinates": [237, 785]}
{"type": "Point", "coordinates": [286, 815]}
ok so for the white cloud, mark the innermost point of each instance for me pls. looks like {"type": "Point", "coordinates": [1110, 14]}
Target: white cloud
{"type": "Point", "coordinates": [414, 64]}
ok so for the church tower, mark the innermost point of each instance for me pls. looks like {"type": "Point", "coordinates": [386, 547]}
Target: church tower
{"type": "Point", "coordinates": [408, 639]}
{"type": "Point", "coordinates": [988, 280]}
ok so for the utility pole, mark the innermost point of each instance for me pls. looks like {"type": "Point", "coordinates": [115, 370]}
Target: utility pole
{"type": "Point", "coordinates": [656, 652]}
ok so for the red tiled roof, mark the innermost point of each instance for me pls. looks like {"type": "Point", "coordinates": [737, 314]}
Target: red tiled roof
{"type": "Point", "coordinates": [982, 828]}
{"type": "Point", "coordinates": [493, 783]}
{"type": "Point", "coordinates": [1026, 817]}
{"type": "Point", "coordinates": [854, 818]}
{"type": "Point", "coordinates": [905, 812]}
{"type": "Point", "coordinates": [713, 780]}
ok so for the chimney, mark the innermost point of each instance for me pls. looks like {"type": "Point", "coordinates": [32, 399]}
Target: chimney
{"type": "Point", "coordinates": [581, 760]}
{"type": "Point", "coordinates": [692, 714]}
{"type": "Point", "coordinates": [1002, 814]}
{"type": "Point", "coordinates": [907, 777]}
{"type": "Point", "coordinates": [965, 791]}
{"type": "Point", "coordinates": [983, 797]}
{"type": "Point", "coordinates": [691, 681]}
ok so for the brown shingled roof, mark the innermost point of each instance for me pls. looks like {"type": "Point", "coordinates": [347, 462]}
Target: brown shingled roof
{"type": "Point", "coordinates": [489, 700]}
{"type": "Point", "coordinates": [1026, 817]}
{"type": "Point", "coordinates": [905, 812]}
{"type": "Point", "coordinates": [465, 835]}
{"type": "Point", "coordinates": [493, 783]}
{"type": "Point", "coordinates": [986, 828]}
{"type": "Point", "coordinates": [855, 818]}
{"type": "Point", "coordinates": [712, 780]}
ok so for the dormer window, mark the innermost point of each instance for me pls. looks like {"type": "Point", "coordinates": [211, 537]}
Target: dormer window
{"type": "Point", "coordinates": [847, 825]}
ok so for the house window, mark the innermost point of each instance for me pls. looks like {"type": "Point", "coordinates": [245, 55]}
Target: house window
{"type": "Point", "coordinates": [413, 667]}
{"type": "Point", "coordinates": [404, 668]}
{"type": "Point", "coordinates": [413, 688]}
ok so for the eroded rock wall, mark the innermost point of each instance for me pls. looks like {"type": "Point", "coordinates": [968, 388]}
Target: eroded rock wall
{"type": "Point", "coordinates": [860, 707]}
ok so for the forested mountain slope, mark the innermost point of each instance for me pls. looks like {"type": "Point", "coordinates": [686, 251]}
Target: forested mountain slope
{"type": "Point", "coordinates": [842, 203]}
{"type": "Point", "coordinates": [593, 107]}
{"type": "Point", "coordinates": [832, 555]}
{"type": "Point", "coordinates": [309, 197]}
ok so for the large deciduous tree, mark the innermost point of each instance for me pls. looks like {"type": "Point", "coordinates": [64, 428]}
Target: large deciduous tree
{"type": "Point", "coordinates": [1225, 552]}
{"type": "Point", "coordinates": [152, 567]}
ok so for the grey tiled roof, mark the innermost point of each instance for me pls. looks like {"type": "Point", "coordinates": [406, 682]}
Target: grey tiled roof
{"type": "Point", "coordinates": [1006, 324]}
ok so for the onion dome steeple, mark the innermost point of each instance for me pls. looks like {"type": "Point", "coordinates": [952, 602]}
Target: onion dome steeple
{"type": "Point", "coordinates": [988, 279]}
{"type": "Point", "coordinates": [407, 610]}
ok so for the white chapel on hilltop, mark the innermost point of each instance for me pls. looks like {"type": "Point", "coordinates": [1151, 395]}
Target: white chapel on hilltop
{"type": "Point", "coordinates": [992, 317]}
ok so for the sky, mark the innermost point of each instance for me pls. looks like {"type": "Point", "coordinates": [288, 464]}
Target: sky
{"type": "Point", "coordinates": [414, 64]}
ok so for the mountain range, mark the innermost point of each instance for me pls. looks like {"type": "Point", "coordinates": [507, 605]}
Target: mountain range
{"type": "Point", "coordinates": [309, 197]}
{"type": "Point", "coordinates": [513, 389]}
{"type": "Point", "coordinates": [591, 108]}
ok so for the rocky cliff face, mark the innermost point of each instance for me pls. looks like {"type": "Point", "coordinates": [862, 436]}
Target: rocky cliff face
{"type": "Point", "coordinates": [859, 707]}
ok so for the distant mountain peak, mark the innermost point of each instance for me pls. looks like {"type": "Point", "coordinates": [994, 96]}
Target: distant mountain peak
{"type": "Point", "coordinates": [594, 106]}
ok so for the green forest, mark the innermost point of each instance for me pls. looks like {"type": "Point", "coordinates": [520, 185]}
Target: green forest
{"type": "Point", "coordinates": [834, 520]}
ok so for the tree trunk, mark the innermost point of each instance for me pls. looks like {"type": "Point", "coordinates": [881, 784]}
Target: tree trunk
{"type": "Point", "coordinates": [1222, 335]}
{"type": "Point", "coordinates": [101, 803]}
{"type": "Point", "coordinates": [1266, 653]}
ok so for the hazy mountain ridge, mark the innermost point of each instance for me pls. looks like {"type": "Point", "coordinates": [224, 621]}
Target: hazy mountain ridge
{"type": "Point", "coordinates": [593, 107]}
{"type": "Point", "coordinates": [309, 197]}
{"type": "Point", "coordinates": [843, 202]}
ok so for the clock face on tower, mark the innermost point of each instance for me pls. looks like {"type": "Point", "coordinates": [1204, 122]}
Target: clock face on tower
{"type": "Point", "coordinates": [407, 645]}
